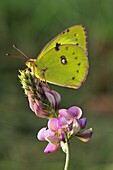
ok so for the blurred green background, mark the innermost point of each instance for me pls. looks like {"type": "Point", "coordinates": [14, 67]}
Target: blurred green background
{"type": "Point", "coordinates": [30, 25]}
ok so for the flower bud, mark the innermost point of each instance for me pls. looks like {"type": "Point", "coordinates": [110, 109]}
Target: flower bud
{"type": "Point", "coordinates": [42, 101]}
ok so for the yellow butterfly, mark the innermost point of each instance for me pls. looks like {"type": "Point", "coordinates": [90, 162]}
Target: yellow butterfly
{"type": "Point", "coordinates": [63, 61]}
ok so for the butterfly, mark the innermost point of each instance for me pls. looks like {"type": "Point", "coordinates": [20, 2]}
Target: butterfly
{"type": "Point", "coordinates": [63, 61]}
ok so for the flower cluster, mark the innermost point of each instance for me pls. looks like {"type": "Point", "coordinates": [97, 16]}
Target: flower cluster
{"type": "Point", "coordinates": [62, 123]}
{"type": "Point", "coordinates": [60, 130]}
{"type": "Point", "coordinates": [43, 101]}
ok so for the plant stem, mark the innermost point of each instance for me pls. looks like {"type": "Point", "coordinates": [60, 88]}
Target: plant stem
{"type": "Point", "coordinates": [67, 157]}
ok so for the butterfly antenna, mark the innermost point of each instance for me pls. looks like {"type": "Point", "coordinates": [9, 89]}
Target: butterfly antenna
{"type": "Point", "coordinates": [20, 52]}
{"type": "Point", "coordinates": [15, 56]}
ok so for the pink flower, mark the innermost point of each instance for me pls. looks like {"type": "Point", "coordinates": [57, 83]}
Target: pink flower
{"type": "Point", "coordinates": [35, 106]}
{"type": "Point", "coordinates": [50, 136]}
{"type": "Point", "coordinates": [62, 128]}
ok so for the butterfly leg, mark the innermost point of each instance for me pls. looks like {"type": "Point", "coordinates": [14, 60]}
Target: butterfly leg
{"type": "Point", "coordinates": [43, 74]}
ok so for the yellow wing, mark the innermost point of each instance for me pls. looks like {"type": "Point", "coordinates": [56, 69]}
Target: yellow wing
{"type": "Point", "coordinates": [75, 35]}
{"type": "Point", "coordinates": [67, 66]}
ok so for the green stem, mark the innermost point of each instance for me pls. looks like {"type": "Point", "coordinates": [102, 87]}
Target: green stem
{"type": "Point", "coordinates": [67, 157]}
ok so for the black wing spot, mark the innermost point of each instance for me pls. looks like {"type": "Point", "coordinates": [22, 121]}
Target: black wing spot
{"type": "Point", "coordinates": [73, 78]}
{"type": "Point", "coordinates": [68, 30]}
{"type": "Point", "coordinates": [76, 58]}
{"type": "Point", "coordinates": [63, 32]}
{"type": "Point", "coordinates": [75, 34]}
{"type": "Point", "coordinates": [57, 47]}
{"type": "Point", "coordinates": [77, 71]}
{"type": "Point", "coordinates": [63, 59]}
{"type": "Point", "coordinates": [67, 48]}
{"type": "Point", "coordinates": [73, 53]}
{"type": "Point", "coordinates": [79, 64]}
{"type": "Point", "coordinates": [76, 39]}
{"type": "Point", "coordinates": [77, 43]}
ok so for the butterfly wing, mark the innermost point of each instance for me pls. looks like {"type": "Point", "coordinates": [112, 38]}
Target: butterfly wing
{"type": "Point", "coordinates": [65, 66]}
{"type": "Point", "coordinates": [75, 35]}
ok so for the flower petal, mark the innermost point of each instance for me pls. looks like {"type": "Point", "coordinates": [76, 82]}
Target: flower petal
{"type": "Point", "coordinates": [83, 122]}
{"type": "Point", "coordinates": [64, 113]}
{"type": "Point", "coordinates": [51, 148]}
{"type": "Point", "coordinates": [64, 146]}
{"type": "Point", "coordinates": [39, 111]}
{"type": "Point", "coordinates": [44, 87]}
{"type": "Point", "coordinates": [53, 124]}
{"type": "Point", "coordinates": [53, 139]}
{"type": "Point", "coordinates": [62, 136]}
{"type": "Point", "coordinates": [76, 126]}
{"type": "Point", "coordinates": [75, 111]}
{"type": "Point", "coordinates": [63, 122]}
{"type": "Point", "coordinates": [38, 94]}
{"type": "Point", "coordinates": [48, 132]}
{"type": "Point", "coordinates": [41, 134]}
{"type": "Point", "coordinates": [57, 98]}
{"type": "Point", "coordinates": [31, 101]}
{"type": "Point", "coordinates": [51, 99]}
{"type": "Point", "coordinates": [86, 135]}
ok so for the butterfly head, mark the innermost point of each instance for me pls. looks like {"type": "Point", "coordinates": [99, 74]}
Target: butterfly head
{"type": "Point", "coordinates": [31, 63]}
